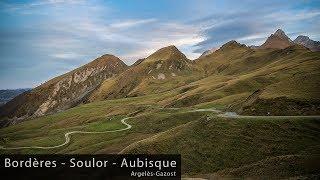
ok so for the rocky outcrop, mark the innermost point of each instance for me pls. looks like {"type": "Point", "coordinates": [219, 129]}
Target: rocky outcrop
{"type": "Point", "coordinates": [65, 91]}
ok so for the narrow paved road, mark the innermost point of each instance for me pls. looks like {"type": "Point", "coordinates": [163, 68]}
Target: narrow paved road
{"type": "Point", "coordinates": [67, 137]}
{"type": "Point", "coordinates": [234, 115]}
{"type": "Point", "coordinates": [128, 126]}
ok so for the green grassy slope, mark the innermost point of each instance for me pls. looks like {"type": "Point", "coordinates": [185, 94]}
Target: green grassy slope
{"type": "Point", "coordinates": [147, 120]}
{"type": "Point", "coordinates": [235, 72]}
{"type": "Point", "coordinates": [213, 144]}
{"type": "Point", "coordinates": [227, 77]}
{"type": "Point", "coordinates": [209, 145]}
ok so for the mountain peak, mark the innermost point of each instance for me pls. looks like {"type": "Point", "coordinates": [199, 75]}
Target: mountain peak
{"type": "Point", "coordinates": [166, 53]}
{"type": "Point", "coordinates": [278, 40]}
{"type": "Point", "coordinates": [280, 33]}
{"type": "Point", "coordinates": [302, 38]}
{"type": "Point", "coordinates": [170, 48]}
{"type": "Point", "coordinates": [307, 42]}
{"type": "Point", "coordinates": [108, 56]}
{"type": "Point", "coordinates": [232, 44]}
{"type": "Point", "coordinates": [106, 59]}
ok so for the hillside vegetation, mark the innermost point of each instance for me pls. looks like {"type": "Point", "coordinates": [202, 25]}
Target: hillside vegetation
{"type": "Point", "coordinates": [210, 145]}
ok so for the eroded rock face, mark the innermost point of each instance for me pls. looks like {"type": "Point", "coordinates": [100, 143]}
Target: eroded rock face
{"type": "Point", "coordinates": [64, 91]}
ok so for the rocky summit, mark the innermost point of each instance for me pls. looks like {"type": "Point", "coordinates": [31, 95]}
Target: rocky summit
{"type": "Point", "coordinates": [308, 43]}
{"type": "Point", "coordinates": [278, 40]}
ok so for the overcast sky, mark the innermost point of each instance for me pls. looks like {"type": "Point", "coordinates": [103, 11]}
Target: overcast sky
{"type": "Point", "coordinates": [40, 39]}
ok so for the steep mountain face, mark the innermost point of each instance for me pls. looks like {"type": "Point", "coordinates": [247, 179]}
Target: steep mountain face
{"type": "Point", "coordinates": [161, 71]}
{"type": "Point", "coordinates": [307, 42]}
{"type": "Point", "coordinates": [278, 40]}
{"type": "Point", "coordinates": [64, 91]}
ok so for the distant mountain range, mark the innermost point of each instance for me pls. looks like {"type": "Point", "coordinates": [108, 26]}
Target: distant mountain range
{"type": "Point", "coordinates": [279, 40]}
{"type": "Point", "coordinates": [8, 94]}
{"type": "Point", "coordinates": [280, 73]}
{"type": "Point", "coordinates": [307, 42]}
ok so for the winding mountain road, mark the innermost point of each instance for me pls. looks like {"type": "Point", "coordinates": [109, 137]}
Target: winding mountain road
{"type": "Point", "coordinates": [67, 137]}
{"type": "Point", "coordinates": [128, 126]}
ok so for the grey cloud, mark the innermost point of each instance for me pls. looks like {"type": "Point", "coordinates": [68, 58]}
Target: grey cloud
{"type": "Point", "coordinates": [259, 20]}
